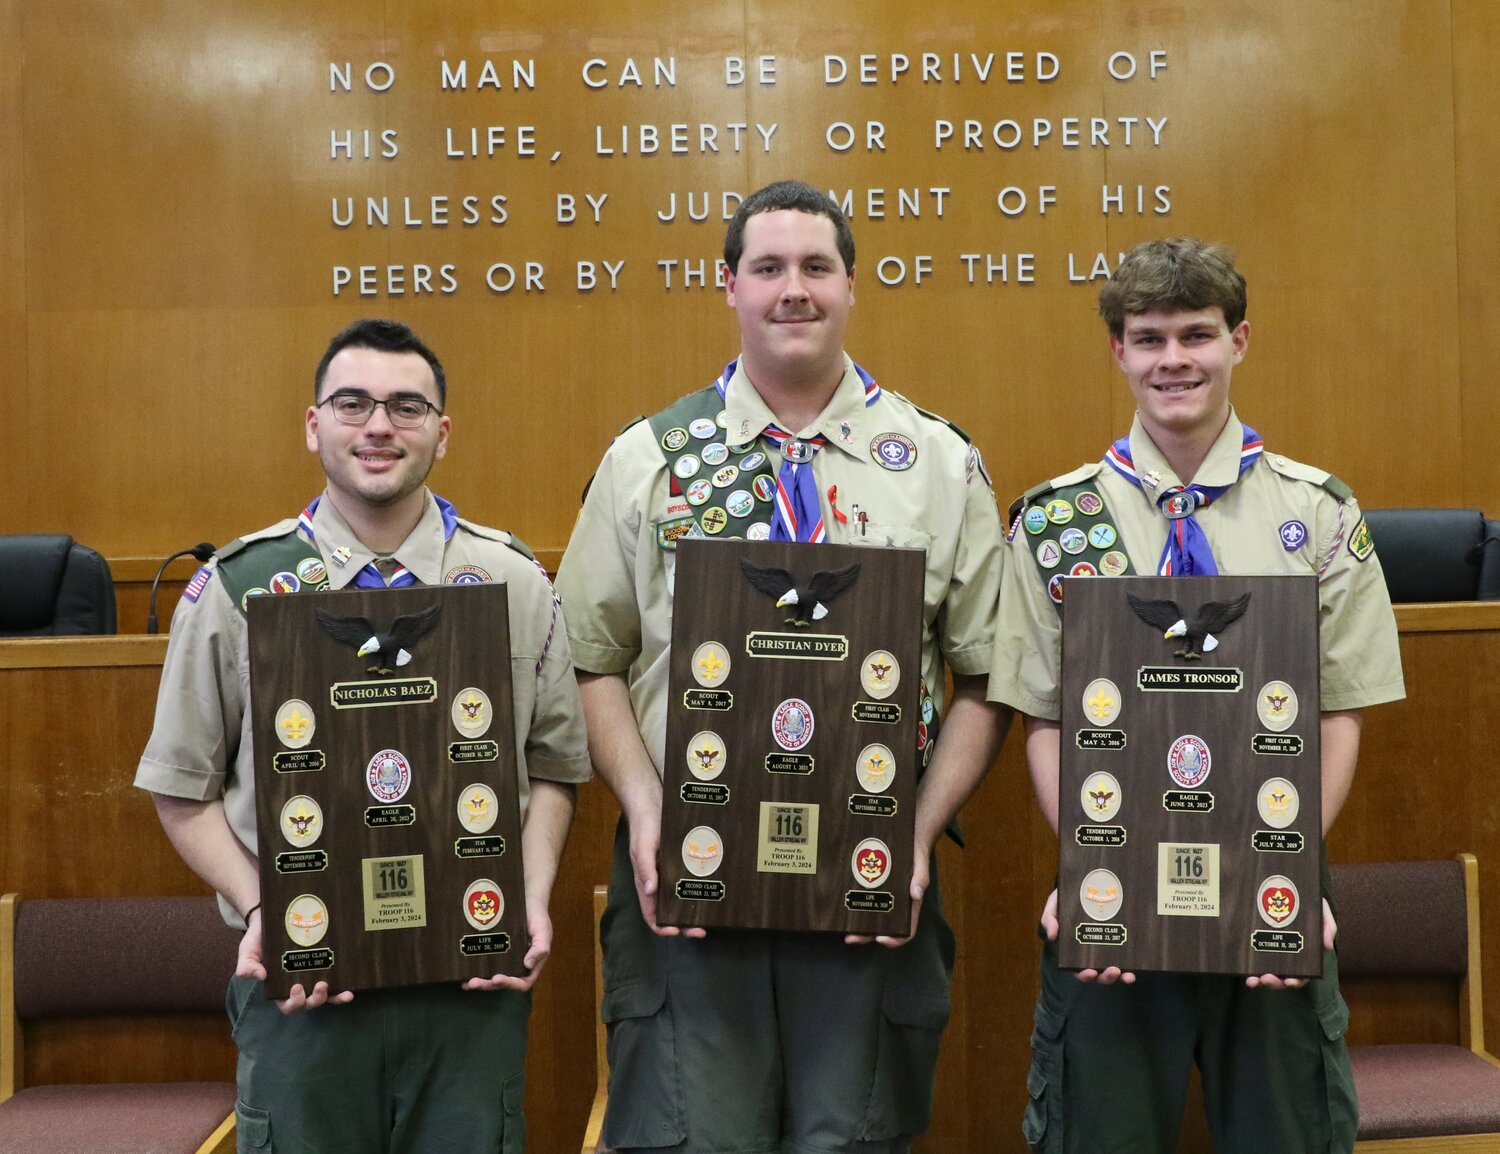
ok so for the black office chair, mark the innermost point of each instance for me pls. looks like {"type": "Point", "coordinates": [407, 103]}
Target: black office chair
{"type": "Point", "coordinates": [52, 586]}
{"type": "Point", "coordinates": [1437, 554]}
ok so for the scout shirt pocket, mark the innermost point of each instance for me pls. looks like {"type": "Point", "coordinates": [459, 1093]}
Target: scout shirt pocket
{"type": "Point", "coordinates": [883, 535]}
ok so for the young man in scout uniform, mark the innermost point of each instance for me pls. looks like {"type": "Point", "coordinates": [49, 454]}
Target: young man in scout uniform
{"type": "Point", "coordinates": [756, 1041]}
{"type": "Point", "coordinates": [421, 1069]}
{"type": "Point", "coordinates": [1191, 491]}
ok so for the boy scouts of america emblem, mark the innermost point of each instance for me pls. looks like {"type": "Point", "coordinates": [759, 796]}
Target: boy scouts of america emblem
{"type": "Point", "coordinates": [388, 775]}
{"type": "Point", "coordinates": [1188, 761]}
{"type": "Point", "coordinates": [792, 724]}
{"type": "Point", "coordinates": [1278, 902]}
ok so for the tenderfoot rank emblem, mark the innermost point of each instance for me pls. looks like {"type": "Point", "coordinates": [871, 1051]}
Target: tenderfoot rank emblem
{"type": "Point", "coordinates": [702, 851]}
{"type": "Point", "coordinates": [1100, 797]}
{"type": "Point", "coordinates": [1276, 706]}
{"type": "Point", "coordinates": [705, 755]}
{"type": "Point", "coordinates": [301, 821]}
{"type": "Point", "coordinates": [1188, 761]}
{"type": "Point", "coordinates": [876, 768]}
{"type": "Point", "coordinates": [792, 724]}
{"type": "Point", "coordinates": [1101, 895]}
{"type": "Point", "coordinates": [472, 713]}
{"type": "Point", "coordinates": [477, 808]}
{"type": "Point", "coordinates": [388, 775]}
{"type": "Point", "coordinates": [1278, 902]}
{"type": "Point", "coordinates": [880, 675]}
{"type": "Point", "coordinates": [1101, 703]}
{"type": "Point", "coordinates": [483, 904]}
{"type": "Point", "coordinates": [871, 863]}
{"type": "Point", "coordinates": [295, 724]}
{"type": "Point", "coordinates": [1278, 803]}
{"type": "Point", "coordinates": [306, 920]}
{"type": "Point", "coordinates": [710, 664]}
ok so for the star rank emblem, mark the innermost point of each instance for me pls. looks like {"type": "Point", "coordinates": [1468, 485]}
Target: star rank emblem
{"type": "Point", "coordinates": [1278, 803]}
{"type": "Point", "coordinates": [710, 664]}
{"type": "Point", "coordinates": [875, 768]}
{"type": "Point", "coordinates": [478, 807]}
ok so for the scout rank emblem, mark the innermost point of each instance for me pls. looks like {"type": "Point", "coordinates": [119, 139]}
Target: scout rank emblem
{"type": "Point", "coordinates": [1198, 637]}
{"type": "Point", "coordinates": [295, 723]}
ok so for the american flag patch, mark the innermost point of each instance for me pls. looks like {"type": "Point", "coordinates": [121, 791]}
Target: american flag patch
{"type": "Point", "coordinates": [199, 582]}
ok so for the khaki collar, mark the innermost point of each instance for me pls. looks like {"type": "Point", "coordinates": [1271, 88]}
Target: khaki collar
{"type": "Point", "coordinates": [747, 415]}
{"type": "Point", "coordinates": [421, 552]}
{"type": "Point", "coordinates": [1220, 467]}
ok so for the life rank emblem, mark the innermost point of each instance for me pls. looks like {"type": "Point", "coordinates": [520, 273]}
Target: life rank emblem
{"type": "Point", "coordinates": [1279, 901]}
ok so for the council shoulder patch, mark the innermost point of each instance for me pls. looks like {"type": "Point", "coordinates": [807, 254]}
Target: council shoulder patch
{"type": "Point", "coordinates": [1361, 544]}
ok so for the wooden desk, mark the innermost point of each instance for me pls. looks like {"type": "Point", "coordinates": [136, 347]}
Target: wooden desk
{"type": "Point", "coordinates": [75, 713]}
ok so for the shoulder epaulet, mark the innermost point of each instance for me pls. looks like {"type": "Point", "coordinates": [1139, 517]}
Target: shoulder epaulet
{"type": "Point", "coordinates": [1313, 476]}
{"type": "Point", "coordinates": [500, 536]}
{"type": "Point", "coordinates": [931, 416]}
{"type": "Point", "coordinates": [1036, 492]}
{"type": "Point", "coordinates": [631, 423]}
{"type": "Point", "coordinates": [280, 529]}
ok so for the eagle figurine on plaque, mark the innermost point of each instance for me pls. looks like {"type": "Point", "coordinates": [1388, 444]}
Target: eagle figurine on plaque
{"type": "Point", "coordinates": [1189, 813]}
{"type": "Point", "coordinates": [795, 736]}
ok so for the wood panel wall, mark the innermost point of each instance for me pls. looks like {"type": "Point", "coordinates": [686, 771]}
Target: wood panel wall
{"type": "Point", "coordinates": [74, 716]}
{"type": "Point", "coordinates": [166, 240]}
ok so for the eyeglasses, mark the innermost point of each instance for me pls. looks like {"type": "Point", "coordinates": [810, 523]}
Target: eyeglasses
{"type": "Point", "coordinates": [403, 412]}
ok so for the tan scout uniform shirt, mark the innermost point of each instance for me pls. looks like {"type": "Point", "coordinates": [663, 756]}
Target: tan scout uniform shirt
{"type": "Point", "coordinates": [1361, 659]}
{"type": "Point", "coordinates": [200, 743]}
{"type": "Point", "coordinates": [616, 581]}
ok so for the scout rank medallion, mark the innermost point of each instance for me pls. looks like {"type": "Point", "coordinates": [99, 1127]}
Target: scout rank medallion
{"type": "Point", "coordinates": [1069, 532]}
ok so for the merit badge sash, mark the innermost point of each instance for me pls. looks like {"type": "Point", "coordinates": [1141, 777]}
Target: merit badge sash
{"type": "Point", "coordinates": [1071, 533]}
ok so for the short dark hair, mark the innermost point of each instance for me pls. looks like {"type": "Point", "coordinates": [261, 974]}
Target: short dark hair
{"type": "Point", "coordinates": [787, 194]}
{"type": "Point", "coordinates": [1181, 274]}
{"type": "Point", "coordinates": [385, 337]}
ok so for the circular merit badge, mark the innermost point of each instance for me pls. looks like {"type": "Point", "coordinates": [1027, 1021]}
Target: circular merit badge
{"type": "Point", "coordinates": [1113, 563]}
{"type": "Point", "coordinates": [674, 438]}
{"type": "Point", "coordinates": [759, 531]}
{"type": "Point", "coordinates": [1101, 703]}
{"type": "Point", "coordinates": [1103, 535]}
{"type": "Point", "coordinates": [1276, 705]}
{"type": "Point", "coordinates": [477, 808]}
{"type": "Point", "coordinates": [710, 664]}
{"type": "Point", "coordinates": [1073, 539]}
{"type": "Point", "coordinates": [880, 674]}
{"type": "Point", "coordinates": [466, 575]}
{"type": "Point", "coordinates": [306, 920]}
{"type": "Point", "coordinates": [301, 821]}
{"type": "Point", "coordinates": [1034, 519]}
{"type": "Point", "coordinates": [871, 862]}
{"type": "Point", "coordinates": [1048, 554]}
{"type": "Point", "coordinates": [471, 712]}
{"type": "Point", "coordinates": [1278, 902]}
{"type": "Point", "coordinates": [703, 428]}
{"type": "Point", "coordinates": [702, 850]}
{"type": "Point", "coordinates": [705, 755]}
{"type": "Point", "coordinates": [792, 724]}
{"type": "Point", "coordinates": [285, 582]}
{"type": "Point", "coordinates": [1089, 503]}
{"type": "Point", "coordinates": [1278, 803]}
{"type": "Point", "coordinates": [1188, 761]}
{"type": "Point", "coordinates": [312, 571]}
{"type": "Point", "coordinates": [483, 904]}
{"type": "Point", "coordinates": [698, 492]}
{"type": "Point", "coordinates": [1058, 511]}
{"type": "Point", "coordinates": [876, 768]}
{"type": "Point", "coordinates": [295, 723]}
{"type": "Point", "coordinates": [687, 465]}
{"type": "Point", "coordinates": [388, 776]}
{"type": "Point", "coordinates": [715, 454]}
{"type": "Point", "coordinates": [1101, 895]}
{"type": "Point", "coordinates": [1100, 796]}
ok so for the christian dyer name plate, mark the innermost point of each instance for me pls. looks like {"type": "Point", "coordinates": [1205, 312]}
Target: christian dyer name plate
{"type": "Point", "coordinates": [797, 726]}
{"type": "Point", "coordinates": [1189, 792]}
{"type": "Point", "coordinates": [386, 788]}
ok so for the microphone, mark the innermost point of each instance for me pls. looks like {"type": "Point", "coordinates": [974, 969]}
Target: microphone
{"type": "Point", "coordinates": [202, 551]}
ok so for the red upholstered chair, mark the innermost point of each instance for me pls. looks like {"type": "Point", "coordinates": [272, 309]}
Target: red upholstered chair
{"type": "Point", "coordinates": [74, 957]}
{"type": "Point", "coordinates": [1418, 923]}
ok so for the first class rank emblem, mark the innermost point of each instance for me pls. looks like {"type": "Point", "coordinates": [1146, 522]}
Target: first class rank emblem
{"type": "Point", "coordinates": [880, 674]}
{"type": "Point", "coordinates": [472, 712]}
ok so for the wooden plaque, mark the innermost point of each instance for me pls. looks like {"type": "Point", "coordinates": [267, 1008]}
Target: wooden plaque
{"type": "Point", "coordinates": [1189, 812]}
{"type": "Point", "coordinates": [793, 737]}
{"type": "Point", "coordinates": [386, 789]}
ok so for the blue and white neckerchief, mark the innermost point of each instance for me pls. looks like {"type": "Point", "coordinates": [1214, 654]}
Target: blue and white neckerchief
{"type": "Point", "coordinates": [798, 515]}
{"type": "Point", "coordinates": [1186, 553]}
{"type": "Point", "coordinates": [369, 577]}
